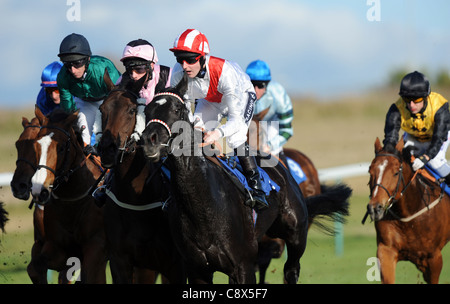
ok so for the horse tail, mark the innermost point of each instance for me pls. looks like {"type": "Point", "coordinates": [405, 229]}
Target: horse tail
{"type": "Point", "coordinates": [330, 205]}
{"type": "Point", "coordinates": [3, 217]}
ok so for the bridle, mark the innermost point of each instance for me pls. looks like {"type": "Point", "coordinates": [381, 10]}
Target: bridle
{"type": "Point", "coordinates": [33, 166]}
{"type": "Point", "coordinates": [401, 180]}
{"type": "Point", "coordinates": [163, 123]}
{"type": "Point", "coordinates": [65, 172]}
{"type": "Point", "coordinates": [129, 144]}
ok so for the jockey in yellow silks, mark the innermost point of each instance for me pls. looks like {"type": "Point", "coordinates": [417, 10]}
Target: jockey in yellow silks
{"type": "Point", "coordinates": [425, 118]}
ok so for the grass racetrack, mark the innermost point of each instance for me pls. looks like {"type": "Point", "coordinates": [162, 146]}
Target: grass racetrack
{"type": "Point", "coordinates": [335, 133]}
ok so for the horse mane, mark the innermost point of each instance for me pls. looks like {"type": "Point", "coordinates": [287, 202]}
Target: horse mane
{"type": "Point", "coordinates": [58, 115]}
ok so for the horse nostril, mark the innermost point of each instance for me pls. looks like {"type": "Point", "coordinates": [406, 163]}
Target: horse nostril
{"type": "Point", "coordinates": [153, 138]}
{"type": "Point", "coordinates": [44, 196]}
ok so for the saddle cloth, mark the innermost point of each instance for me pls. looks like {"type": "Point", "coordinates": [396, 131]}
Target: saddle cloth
{"type": "Point", "coordinates": [296, 171]}
{"type": "Point", "coordinates": [267, 183]}
{"type": "Point", "coordinates": [443, 185]}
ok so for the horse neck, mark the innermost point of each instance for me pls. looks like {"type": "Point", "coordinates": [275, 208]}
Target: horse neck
{"type": "Point", "coordinates": [131, 174]}
{"type": "Point", "coordinates": [409, 203]}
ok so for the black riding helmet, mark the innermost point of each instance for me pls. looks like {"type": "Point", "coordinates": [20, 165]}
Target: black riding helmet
{"type": "Point", "coordinates": [415, 85]}
{"type": "Point", "coordinates": [74, 47]}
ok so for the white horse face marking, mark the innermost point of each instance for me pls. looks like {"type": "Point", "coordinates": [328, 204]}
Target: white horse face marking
{"type": "Point", "coordinates": [161, 101]}
{"type": "Point", "coordinates": [40, 175]}
{"type": "Point", "coordinates": [381, 169]}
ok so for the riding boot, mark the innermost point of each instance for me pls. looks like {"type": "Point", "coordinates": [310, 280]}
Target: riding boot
{"type": "Point", "coordinates": [251, 173]}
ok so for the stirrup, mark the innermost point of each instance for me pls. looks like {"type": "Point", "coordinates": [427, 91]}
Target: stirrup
{"type": "Point", "coordinates": [256, 202]}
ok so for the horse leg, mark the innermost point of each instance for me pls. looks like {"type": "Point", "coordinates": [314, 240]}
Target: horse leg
{"type": "Point", "coordinates": [121, 270]}
{"type": "Point", "coordinates": [144, 276]}
{"type": "Point", "coordinates": [262, 270]}
{"type": "Point", "coordinates": [37, 268]}
{"type": "Point", "coordinates": [433, 268]}
{"type": "Point", "coordinates": [388, 258]}
{"type": "Point", "coordinates": [93, 266]}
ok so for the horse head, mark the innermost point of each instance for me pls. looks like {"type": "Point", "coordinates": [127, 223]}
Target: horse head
{"type": "Point", "coordinates": [390, 172]}
{"type": "Point", "coordinates": [26, 159]}
{"type": "Point", "coordinates": [53, 152]}
{"type": "Point", "coordinates": [122, 120]}
{"type": "Point", "coordinates": [166, 109]}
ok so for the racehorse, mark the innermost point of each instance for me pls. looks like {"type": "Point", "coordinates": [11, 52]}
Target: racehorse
{"type": "Point", "coordinates": [137, 229]}
{"type": "Point", "coordinates": [213, 228]}
{"type": "Point", "coordinates": [73, 224]}
{"type": "Point", "coordinates": [21, 186]}
{"type": "Point", "coordinates": [411, 213]}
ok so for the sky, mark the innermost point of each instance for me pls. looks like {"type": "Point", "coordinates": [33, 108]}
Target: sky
{"type": "Point", "coordinates": [323, 48]}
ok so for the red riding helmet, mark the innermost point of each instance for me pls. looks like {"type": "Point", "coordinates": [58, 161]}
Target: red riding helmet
{"type": "Point", "coordinates": [191, 41]}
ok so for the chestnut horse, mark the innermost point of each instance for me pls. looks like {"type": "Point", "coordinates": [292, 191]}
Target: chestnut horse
{"type": "Point", "coordinates": [411, 213]}
{"type": "Point", "coordinates": [21, 186]}
{"type": "Point", "coordinates": [73, 224]}
{"type": "Point", "coordinates": [136, 227]}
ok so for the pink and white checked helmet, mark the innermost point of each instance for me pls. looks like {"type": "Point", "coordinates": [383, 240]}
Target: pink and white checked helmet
{"type": "Point", "coordinates": [191, 41]}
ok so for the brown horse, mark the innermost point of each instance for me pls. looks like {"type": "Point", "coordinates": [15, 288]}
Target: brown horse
{"type": "Point", "coordinates": [411, 213]}
{"type": "Point", "coordinates": [136, 227]}
{"type": "Point", "coordinates": [73, 224]}
{"type": "Point", "coordinates": [21, 186]}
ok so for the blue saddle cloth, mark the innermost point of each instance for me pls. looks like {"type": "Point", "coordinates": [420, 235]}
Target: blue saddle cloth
{"type": "Point", "coordinates": [296, 171]}
{"type": "Point", "coordinates": [434, 173]}
{"type": "Point", "coordinates": [267, 183]}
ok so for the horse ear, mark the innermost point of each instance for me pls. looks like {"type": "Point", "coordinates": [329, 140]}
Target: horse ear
{"type": "Point", "coordinates": [378, 146]}
{"type": "Point", "coordinates": [131, 85]}
{"type": "Point", "coordinates": [400, 145]}
{"type": "Point", "coordinates": [182, 86]}
{"type": "Point", "coordinates": [109, 84]}
{"type": "Point", "coordinates": [25, 122]}
{"type": "Point", "coordinates": [39, 114]}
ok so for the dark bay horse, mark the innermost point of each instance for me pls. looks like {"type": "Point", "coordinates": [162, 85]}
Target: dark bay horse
{"type": "Point", "coordinates": [137, 230]}
{"type": "Point", "coordinates": [411, 213]}
{"type": "Point", "coordinates": [73, 224]}
{"type": "Point", "coordinates": [214, 230]}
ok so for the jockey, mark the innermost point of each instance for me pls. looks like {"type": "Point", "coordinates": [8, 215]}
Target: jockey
{"type": "Point", "coordinates": [425, 118]}
{"type": "Point", "coordinates": [83, 77]}
{"type": "Point", "coordinates": [140, 60]}
{"type": "Point", "coordinates": [48, 97]}
{"type": "Point", "coordinates": [272, 99]}
{"type": "Point", "coordinates": [221, 89]}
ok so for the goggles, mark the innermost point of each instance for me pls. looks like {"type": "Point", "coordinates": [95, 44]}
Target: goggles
{"type": "Point", "coordinates": [188, 59]}
{"type": "Point", "coordinates": [413, 99]}
{"type": "Point", "coordinates": [260, 84]}
{"type": "Point", "coordinates": [76, 64]}
{"type": "Point", "coordinates": [139, 69]}
{"type": "Point", "coordinates": [50, 90]}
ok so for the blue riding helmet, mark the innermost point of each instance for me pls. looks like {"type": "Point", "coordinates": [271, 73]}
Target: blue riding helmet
{"type": "Point", "coordinates": [49, 74]}
{"type": "Point", "coordinates": [258, 70]}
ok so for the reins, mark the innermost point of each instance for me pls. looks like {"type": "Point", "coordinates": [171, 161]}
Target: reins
{"type": "Point", "coordinates": [401, 178]}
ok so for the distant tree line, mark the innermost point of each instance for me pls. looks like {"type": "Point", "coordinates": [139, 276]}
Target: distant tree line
{"type": "Point", "coordinates": [440, 79]}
